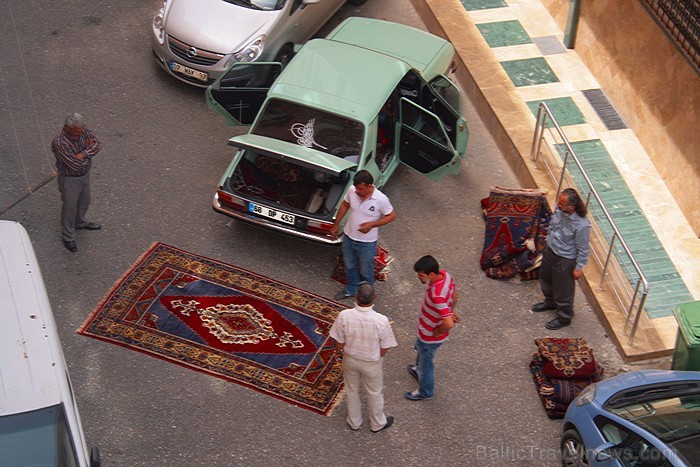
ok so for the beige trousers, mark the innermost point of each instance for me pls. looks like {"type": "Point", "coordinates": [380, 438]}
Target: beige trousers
{"type": "Point", "coordinates": [358, 372]}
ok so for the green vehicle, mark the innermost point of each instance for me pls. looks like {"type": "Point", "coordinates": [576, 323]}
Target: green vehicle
{"type": "Point", "coordinates": [369, 96]}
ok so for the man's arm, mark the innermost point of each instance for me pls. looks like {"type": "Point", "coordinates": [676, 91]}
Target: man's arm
{"type": "Point", "coordinates": [445, 326]}
{"type": "Point", "coordinates": [455, 299]}
{"type": "Point", "coordinates": [342, 211]}
{"type": "Point", "coordinates": [383, 351]}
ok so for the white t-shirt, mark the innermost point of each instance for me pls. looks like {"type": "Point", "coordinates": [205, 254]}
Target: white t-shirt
{"type": "Point", "coordinates": [371, 209]}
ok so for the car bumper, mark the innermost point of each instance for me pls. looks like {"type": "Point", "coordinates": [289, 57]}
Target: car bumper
{"type": "Point", "coordinates": [271, 225]}
{"type": "Point", "coordinates": [165, 56]}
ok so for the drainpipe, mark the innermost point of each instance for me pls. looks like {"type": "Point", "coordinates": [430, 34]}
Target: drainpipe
{"type": "Point", "coordinates": [572, 23]}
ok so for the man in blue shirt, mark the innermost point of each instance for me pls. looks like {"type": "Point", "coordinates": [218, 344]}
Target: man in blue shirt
{"type": "Point", "coordinates": [564, 257]}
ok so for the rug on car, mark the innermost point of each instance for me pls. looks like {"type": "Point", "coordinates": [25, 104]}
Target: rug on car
{"type": "Point", "coordinates": [516, 228]}
{"type": "Point", "coordinates": [381, 266]}
{"type": "Point", "coordinates": [226, 322]}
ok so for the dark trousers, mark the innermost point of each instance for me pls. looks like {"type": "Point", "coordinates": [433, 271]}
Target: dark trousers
{"type": "Point", "coordinates": [75, 195]}
{"type": "Point", "coordinates": [557, 283]}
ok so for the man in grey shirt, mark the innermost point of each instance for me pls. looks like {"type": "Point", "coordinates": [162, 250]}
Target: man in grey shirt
{"type": "Point", "coordinates": [568, 246]}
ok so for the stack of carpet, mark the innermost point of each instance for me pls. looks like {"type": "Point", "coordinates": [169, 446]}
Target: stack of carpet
{"type": "Point", "coordinates": [517, 220]}
{"type": "Point", "coordinates": [561, 369]}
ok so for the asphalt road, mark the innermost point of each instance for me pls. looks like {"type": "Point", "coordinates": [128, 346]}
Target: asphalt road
{"type": "Point", "coordinates": [164, 152]}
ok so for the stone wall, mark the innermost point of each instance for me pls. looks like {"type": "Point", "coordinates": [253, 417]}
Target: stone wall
{"type": "Point", "coordinates": [651, 85]}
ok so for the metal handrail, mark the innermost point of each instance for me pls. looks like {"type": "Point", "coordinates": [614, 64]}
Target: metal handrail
{"type": "Point", "coordinates": [542, 114]}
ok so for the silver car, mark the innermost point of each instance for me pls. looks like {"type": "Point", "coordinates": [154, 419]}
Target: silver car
{"type": "Point", "coordinates": [196, 41]}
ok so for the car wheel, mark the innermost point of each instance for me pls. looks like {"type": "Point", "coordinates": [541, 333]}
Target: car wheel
{"type": "Point", "coordinates": [357, 2]}
{"type": "Point", "coordinates": [573, 452]}
{"type": "Point", "coordinates": [285, 55]}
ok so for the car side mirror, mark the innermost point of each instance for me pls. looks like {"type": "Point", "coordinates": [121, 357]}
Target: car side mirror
{"type": "Point", "coordinates": [603, 452]}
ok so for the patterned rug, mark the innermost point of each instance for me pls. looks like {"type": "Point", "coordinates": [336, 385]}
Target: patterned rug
{"type": "Point", "coordinates": [516, 228]}
{"type": "Point", "coordinates": [226, 322]}
{"type": "Point", "coordinates": [381, 266]}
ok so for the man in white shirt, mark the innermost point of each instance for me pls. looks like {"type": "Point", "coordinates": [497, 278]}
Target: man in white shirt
{"type": "Point", "coordinates": [369, 208]}
{"type": "Point", "coordinates": [362, 337]}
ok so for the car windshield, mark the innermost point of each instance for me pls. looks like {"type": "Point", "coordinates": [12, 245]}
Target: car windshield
{"type": "Point", "coordinates": [311, 128]}
{"type": "Point", "coordinates": [259, 4]}
{"type": "Point", "coordinates": [40, 437]}
{"type": "Point", "coordinates": [674, 420]}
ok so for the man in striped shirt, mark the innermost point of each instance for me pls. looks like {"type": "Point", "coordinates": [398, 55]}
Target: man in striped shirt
{"type": "Point", "coordinates": [437, 317]}
{"type": "Point", "coordinates": [74, 147]}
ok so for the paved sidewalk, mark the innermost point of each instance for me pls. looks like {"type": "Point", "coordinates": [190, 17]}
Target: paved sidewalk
{"type": "Point", "coordinates": [512, 57]}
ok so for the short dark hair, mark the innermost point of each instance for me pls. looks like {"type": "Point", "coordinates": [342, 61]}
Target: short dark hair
{"type": "Point", "coordinates": [363, 176]}
{"type": "Point", "coordinates": [426, 265]}
{"type": "Point", "coordinates": [365, 294]}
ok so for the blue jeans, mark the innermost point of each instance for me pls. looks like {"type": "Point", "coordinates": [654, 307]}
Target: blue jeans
{"type": "Point", "coordinates": [359, 263]}
{"type": "Point", "coordinates": [425, 368]}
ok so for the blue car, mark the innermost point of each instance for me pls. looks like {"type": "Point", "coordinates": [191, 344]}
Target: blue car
{"type": "Point", "coordinates": [643, 418]}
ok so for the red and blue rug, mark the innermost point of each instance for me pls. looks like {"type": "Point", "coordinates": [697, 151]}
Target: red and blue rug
{"type": "Point", "coordinates": [226, 322]}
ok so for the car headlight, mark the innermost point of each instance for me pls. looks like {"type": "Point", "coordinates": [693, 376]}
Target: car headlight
{"type": "Point", "coordinates": [586, 396]}
{"type": "Point", "coordinates": [159, 23]}
{"type": "Point", "coordinates": [248, 53]}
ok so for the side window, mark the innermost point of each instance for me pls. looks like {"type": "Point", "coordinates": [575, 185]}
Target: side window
{"type": "Point", "coordinates": [410, 87]}
{"type": "Point", "coordinates": [386, 129]}
{"type": "Point", "coordinates": [447, 90]}
{"type": "Point", "coordinates": [631, 449]}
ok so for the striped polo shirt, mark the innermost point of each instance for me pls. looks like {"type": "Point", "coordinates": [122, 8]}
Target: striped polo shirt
{"type": "Point", "coordinates": [437, 304]}
{"type": "Point", "coordinates": [65, 148]}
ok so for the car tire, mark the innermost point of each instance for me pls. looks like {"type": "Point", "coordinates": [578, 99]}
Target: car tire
{"type": "Point", "coordinates": [284, 56]}
{"type": "Point", "coordinates": [573, 451]}
{"type": "Point", "coordinates": [357, 2]}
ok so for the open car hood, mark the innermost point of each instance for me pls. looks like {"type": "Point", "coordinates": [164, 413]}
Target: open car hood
{"type": "Point", "coordinates": [301, 155]}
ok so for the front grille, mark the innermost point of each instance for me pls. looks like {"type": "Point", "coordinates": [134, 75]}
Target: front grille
{"type": "Point", "coordinates": [184, 52]}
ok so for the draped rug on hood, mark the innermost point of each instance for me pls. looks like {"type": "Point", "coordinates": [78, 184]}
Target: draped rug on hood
{"type": "Point", "coordinates": [226, 322]}
{"type": "Point", "coordinates": [516, 229]}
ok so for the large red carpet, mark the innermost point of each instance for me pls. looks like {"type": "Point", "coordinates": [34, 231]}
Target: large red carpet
{"type": "Point", "coordinates": [226, 322]}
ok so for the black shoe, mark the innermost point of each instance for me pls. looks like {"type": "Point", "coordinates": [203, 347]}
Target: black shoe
{"type": "Point", "coordinates": [389, 422]}
{"type": "Point", "coordinates": [413, 371]}
{"type": "Point", "coordinates": [416, 396]}
{"type": "Point", "coordinates": [542, 306]}
{"type": "Point", "coordinates": [557, 323]}
{"type": "Point", "coordinates": [90, 226]}
{"type": "Point", "coordinates": [342, 295]}
{"type": "Point", "coordinates": [71, 246]}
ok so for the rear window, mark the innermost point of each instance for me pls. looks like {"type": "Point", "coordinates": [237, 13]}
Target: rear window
{"type": "Point", "coordinates": [311, 128]}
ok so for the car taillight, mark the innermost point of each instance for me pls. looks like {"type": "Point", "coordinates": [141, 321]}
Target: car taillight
{"type": "Point", "coordinates": [230, 201]}
{"type": "Point", "coordinates": [319, 227]}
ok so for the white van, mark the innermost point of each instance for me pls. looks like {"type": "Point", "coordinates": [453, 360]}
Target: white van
{"type": "Point", "coordinates": [39, 421]}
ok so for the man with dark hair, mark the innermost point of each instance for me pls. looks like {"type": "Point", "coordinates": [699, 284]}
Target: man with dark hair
{"type": "Point", "coordinates": [74, 147]}
{"type": "Point", "coordinates": [437, 317]}
{"type": "Point", "coordinates": [362, 337]}
{"type": "Point", "coordinates": [369, 209]}
{"type": "Point", "coordinates": [568, 247]}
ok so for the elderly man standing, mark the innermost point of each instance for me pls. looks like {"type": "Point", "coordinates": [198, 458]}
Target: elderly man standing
{"type": "Point", "coordinates": [362, 337]}
{"type": "Point", "coordinates": [568, 247]}
{"type": "Point", "coordinates": [74, 147]}
{"type": "Point", "coordinates": [369, 209]}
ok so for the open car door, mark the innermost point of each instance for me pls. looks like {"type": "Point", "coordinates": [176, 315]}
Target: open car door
{"type": "Point", "coordinates": [443, 99]}
{"type": "Point", "coordinates": [239, 94]}
{"type": "Point", "coordinates": [424, 144]}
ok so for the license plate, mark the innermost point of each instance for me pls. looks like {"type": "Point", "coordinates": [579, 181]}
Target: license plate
{"type": "Point", "coordinates": [271, 213]}
{"type": "Point", "coordinates": [183, 70]}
